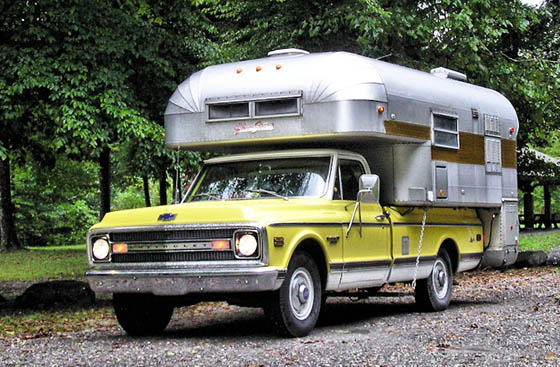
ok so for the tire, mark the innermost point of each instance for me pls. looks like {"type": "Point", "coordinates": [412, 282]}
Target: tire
{"type": "Point", "coordinates": [294, 308]}
{"type": "Point", "coordinates": [434, 293]}
{"type": "Point", "coordinates": [141, 314]}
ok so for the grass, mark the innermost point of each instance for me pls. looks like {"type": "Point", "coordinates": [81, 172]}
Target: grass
{"type": "Point", "coordinates": [44, 263]}
{"type": "Point", "coordinates": [534, 241]}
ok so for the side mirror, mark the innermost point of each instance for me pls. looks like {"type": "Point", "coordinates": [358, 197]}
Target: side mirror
{"type": "Point", "coordinates": [369, 189]}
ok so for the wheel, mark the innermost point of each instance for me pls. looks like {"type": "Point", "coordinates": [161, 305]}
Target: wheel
{"type": "Point", "coordinates": [141, 314]}
{"type": "Point", "coordinates": [294, 308]}
{"type": "Point", "coordinates": [434, 293]}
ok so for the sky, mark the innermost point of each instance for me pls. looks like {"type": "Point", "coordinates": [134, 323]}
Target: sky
{"type": "Point", "coordinates": [532, 2]}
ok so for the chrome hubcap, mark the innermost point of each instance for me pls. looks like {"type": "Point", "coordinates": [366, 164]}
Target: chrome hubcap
{"type": "Point", "coordinates": [301, 293]}
{"type": "Point", "coordinates": [440, 279]}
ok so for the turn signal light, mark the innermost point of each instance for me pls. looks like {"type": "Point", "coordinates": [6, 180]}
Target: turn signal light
{"type": "Point", "coordinates": [220, 245]}
{"type": "Point", "coordinates": [259, 68]}
{"type": "Point", "coordinates": [239, 70]}
{"type": "Point", "coordinates": [278, 67]}
{"type": "Point", "coordinates": [120, 248]}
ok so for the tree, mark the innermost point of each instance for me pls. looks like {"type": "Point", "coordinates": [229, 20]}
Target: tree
{"type": "Point", "coordinates": [81, 77]}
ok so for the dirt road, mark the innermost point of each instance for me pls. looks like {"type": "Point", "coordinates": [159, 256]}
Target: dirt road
{"type": "Point", "coordinates": [496, 318]}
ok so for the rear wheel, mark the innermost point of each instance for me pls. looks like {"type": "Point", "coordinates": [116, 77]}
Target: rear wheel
{"type": "Point", "coordinates": [142, 314]}
{"type": "Point", "coordinates": [295, 307]}
{"type": "Point", "coordinates": [434, 293]}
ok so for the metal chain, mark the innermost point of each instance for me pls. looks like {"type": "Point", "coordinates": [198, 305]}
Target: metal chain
{"type": "Point", "coordinates": [419, 248]}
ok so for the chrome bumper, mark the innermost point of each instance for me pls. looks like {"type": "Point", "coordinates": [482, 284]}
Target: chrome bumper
{"type": "Point", "coordinates": [176, 282]}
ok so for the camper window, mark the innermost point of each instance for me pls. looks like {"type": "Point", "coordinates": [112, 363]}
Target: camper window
{"type": "Point", "coordinates": [445, 131]}
{"type": "Point", "coordinates": [227, 111]}
{"type": "Point", "coordinates": [288, 106]}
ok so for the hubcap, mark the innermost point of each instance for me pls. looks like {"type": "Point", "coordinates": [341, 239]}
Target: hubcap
{"type": "Point", "coordinates": [440, 278]}
{"type": "Point", "coordinates": [301, 293]}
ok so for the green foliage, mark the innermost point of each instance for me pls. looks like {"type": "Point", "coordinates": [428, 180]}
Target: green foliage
{"type": "Point", "coordinates": [534, 241]}
{"type": "Point", "coordinates": [55, 206]}
{"type": "Point", "coordinates": [55, 263]}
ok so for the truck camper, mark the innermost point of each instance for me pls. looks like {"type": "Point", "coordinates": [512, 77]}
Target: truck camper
{"type": "Point", "coordinates": [341, 174]}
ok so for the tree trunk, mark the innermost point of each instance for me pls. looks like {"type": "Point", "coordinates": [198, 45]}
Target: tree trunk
{"type": "Point", "coordinates": [163, 186]}
{"type": "Point", "coordinates": [528, 210]}
{"type": "Point", "coordinates": [146, 190]}
{"type": "Point", "coordinates": [547, 207]}
{"type": "Point", "coordinates": [8, 238]}
{"type": "Point", "coordinates": [104, 182]}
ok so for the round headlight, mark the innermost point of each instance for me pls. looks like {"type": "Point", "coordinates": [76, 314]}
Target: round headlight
{"type": "Point", "coordinates": [246, 245]}
{"type": "Point", "coordinates": [100, 249]}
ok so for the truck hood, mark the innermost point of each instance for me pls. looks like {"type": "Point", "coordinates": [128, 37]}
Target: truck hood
{"type": "Point", "coordinates": [264, 211]}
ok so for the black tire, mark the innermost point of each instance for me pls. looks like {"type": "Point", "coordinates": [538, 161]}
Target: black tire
{"type": "Point", "coordinates": [294, 308]}
{"type": "Point", "coordinates": [434, 293]}
{"type": "Point", "coordinates": [141, 314]}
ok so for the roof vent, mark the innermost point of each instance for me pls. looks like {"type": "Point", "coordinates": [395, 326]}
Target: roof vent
{"type": "Point", "coordinates": [448, 74]}
{"type": "Point", "coordinates": [288, 52]}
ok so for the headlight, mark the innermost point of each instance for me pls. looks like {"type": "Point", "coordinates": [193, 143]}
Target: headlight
{"type": "Point", "coordinates": [100, 249]}
{"type": "Point", "coordinates": [246, 244]}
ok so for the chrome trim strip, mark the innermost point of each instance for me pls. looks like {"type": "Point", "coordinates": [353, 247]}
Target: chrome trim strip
{"type": "Point", "coordinates": [363, 265]}
{"type": "Point", "coordinates": [471, 256]}
{"type": "Point", "coordinates": [412, 260]}
{"type": "Point", "coordinates": [324, 224]}
{"type": "Point", "coordinates": [436, 224]}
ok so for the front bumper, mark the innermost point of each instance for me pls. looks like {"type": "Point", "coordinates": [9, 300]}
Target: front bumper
{"type": "Point", "coordinates": [177, 282]}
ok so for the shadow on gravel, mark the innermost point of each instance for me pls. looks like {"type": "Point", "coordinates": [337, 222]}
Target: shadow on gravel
{"type": "Point", "coordinates": [251, 323]}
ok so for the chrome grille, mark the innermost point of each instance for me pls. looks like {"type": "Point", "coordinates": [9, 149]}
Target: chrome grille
{"type": "Point", "coordinates": [139, 257]}
{"type": "Point", "coordinates": [174, 235]}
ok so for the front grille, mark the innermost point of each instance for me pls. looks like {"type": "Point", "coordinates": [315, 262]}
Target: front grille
{"type": "Point", "coordinates": [139, 257]}
{"type": "Point", "coordinates": [174, 235]}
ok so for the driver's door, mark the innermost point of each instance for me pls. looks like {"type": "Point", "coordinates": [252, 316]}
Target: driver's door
{"type": "Point", "coordinates": [366, 246]}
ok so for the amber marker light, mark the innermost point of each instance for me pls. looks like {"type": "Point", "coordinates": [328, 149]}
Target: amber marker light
{"type": "Point", "coordinates": [278, 67]}
{"type": "Point", "coordinates": [220, 245]}
{"type": "Point", "coordinates": [239, 70]}
{"type": "Point", "coordinates": [120, 248]}
{"type": "Point", "coordinates": [258, 68]}
{"type": "Point", "coordinates": [380, 109]}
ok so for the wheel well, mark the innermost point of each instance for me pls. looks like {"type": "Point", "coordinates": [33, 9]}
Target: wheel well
{"type": "Point", "coordinates": [314, 249]}
{"type": "Point", "coordinates": [451, 248]}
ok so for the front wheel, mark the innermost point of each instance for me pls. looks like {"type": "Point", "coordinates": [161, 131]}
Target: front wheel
{"type": "Point", "coordinates": [434, 293]}
{"type": "Point", "coordinates": [295, 307]}
{"type": "Point", "coordinates": [141, 314]}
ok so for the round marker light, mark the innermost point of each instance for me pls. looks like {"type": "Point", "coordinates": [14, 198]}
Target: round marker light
{"type": "Point", "coordinates": [511, 130]}
{"type": "Point", "coordinates": [258, 68]}
{"type": "Point", "coordinates": [380, 109]}
{"type": "Point", "coordinates": [100, 249]}
{"type": "Point", "coordinates": [239, 70]}
{"type": "Point", "coordinates": [278, 67]}
{"type": "Point", "coordinates": [246, 245]}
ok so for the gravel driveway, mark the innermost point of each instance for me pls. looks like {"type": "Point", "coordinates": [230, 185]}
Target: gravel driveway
{"type": "Point", "coordinates": [496, 318]}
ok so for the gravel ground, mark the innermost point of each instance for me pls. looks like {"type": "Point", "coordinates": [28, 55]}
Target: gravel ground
{"type": "Point", "coordinates": [496, 318]}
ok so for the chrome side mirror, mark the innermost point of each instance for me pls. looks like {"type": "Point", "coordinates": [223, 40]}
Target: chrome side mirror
{"type": "Point", "coordinates": [369, 189]}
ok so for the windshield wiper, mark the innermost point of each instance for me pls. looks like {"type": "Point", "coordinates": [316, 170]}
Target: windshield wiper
{"type": "Point", "coordinates": [208, 195]}
{"type": "Point", "coordinates": [268, 192]}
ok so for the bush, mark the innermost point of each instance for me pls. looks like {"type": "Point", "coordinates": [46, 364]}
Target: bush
{"type": "Point", "coordinates": [55, 206]}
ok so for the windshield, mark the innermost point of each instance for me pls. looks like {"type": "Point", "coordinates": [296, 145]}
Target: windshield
{"type": "Point", "coordinates": [291, 177]}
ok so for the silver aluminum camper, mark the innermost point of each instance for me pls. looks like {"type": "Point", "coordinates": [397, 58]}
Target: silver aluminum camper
{"type": "Point", "coordinates": [433, 138]}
